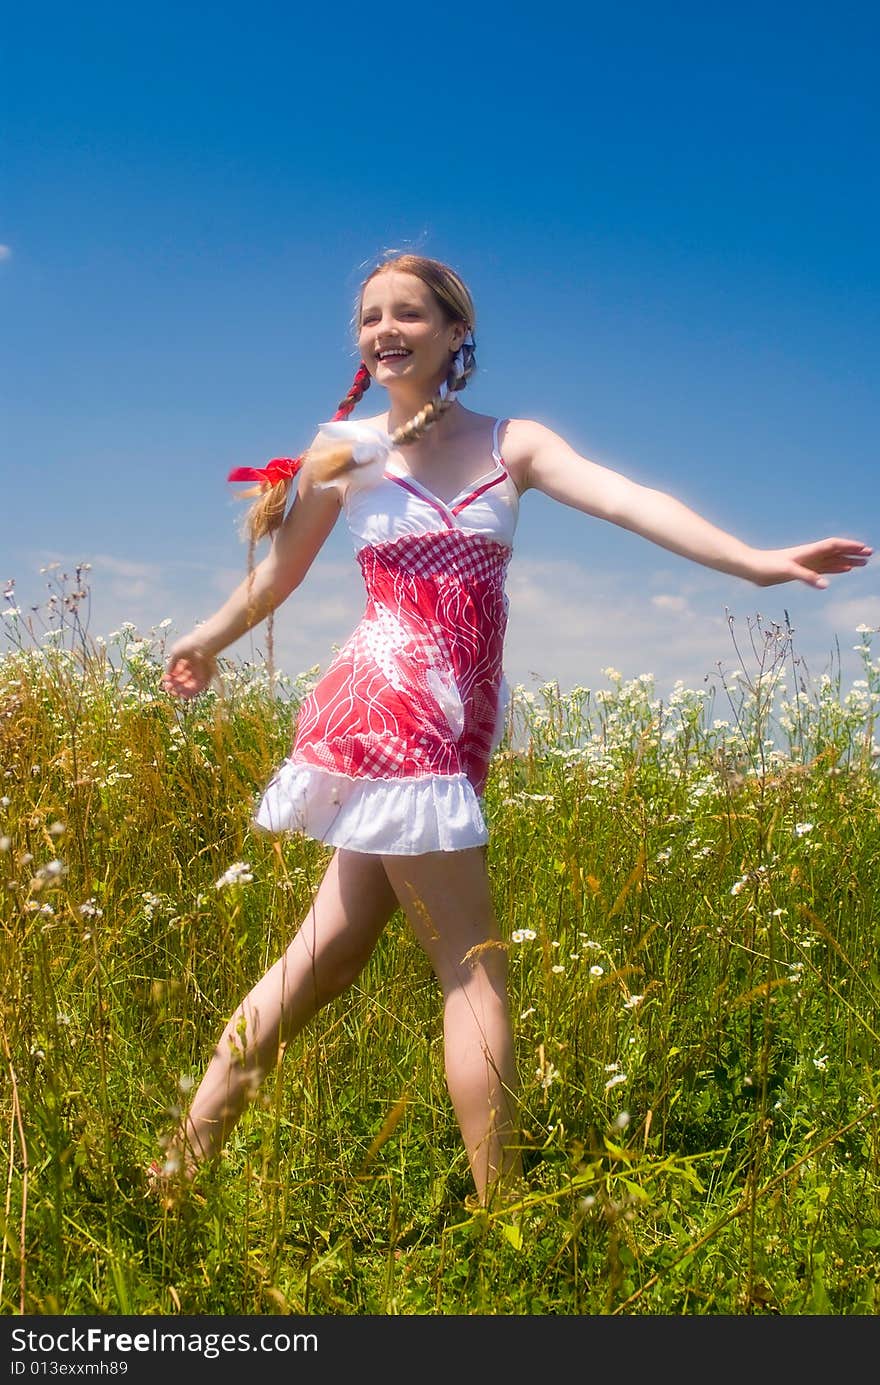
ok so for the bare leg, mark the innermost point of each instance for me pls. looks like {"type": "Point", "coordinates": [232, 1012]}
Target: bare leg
{"type": "Point", "coordinates": [332, 946]}
{"type": "Point", "coordinates": [448, 902]}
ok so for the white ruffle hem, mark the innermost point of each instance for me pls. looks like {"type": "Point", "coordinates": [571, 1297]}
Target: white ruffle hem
{"type": "Point", "coordinates": [395, 817]}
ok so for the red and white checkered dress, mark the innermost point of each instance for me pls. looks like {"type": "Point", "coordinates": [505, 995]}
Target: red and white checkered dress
{"type": "Point", "coordinates": [392, 746]}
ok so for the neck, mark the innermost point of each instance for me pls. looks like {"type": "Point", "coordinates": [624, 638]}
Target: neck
{"type": "Point", "coordinates": [404, 404]}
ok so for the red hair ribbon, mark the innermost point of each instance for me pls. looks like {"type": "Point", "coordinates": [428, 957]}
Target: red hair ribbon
{"type": "Point", "coordinates": [281, 467]}
{"type": "Point", "coordinates": [277, 470]}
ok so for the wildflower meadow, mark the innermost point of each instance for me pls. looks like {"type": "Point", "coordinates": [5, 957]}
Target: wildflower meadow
{"type": "Point", "coordinates": [688, 889]}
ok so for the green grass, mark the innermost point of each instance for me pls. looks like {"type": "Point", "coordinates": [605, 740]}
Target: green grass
{"type": "Point", "coordinates": [692, 915]}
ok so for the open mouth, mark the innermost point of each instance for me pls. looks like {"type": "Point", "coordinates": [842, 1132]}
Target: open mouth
{"type": "Point", "coordinates": [397, 353]}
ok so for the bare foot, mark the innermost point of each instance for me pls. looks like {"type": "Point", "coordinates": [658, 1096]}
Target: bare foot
{"type": "Point", "coordinates": [170, 1179]}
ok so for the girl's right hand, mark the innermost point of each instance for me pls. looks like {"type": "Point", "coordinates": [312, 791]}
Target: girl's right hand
{"type": "Point", "coordinates": [188, 670]}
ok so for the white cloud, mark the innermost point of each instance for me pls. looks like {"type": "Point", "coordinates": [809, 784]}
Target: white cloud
{"type": "Point", "coordinates": [844, 614]}
{"type": "Point", "coordinates": [5, 252]}
{"type": "Point", "coordinates": [665, 601]}
{"type": "Point", "coordinates": [567, 621]}
{"type": "Point", "coordinates": [124, 567]}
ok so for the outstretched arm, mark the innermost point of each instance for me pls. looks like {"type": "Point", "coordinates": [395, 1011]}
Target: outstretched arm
{"type": "Point", "coordinates": [548, 464]}
{"type": "Point", "coordinates": [191, 662]}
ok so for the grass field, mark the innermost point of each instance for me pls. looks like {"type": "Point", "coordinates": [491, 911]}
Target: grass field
{"type": "Point", "coordinates": [689, 892]}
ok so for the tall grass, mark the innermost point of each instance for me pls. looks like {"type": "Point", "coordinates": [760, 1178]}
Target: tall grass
{"type": "Point", "coordinates": [688, 889]}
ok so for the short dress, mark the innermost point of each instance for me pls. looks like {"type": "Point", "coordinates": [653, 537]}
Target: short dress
{"type": "Point", "coordinates": [392, 746]}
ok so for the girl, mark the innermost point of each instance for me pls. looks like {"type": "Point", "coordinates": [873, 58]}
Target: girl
{"type": "Point", "coordinates": [392, 747]}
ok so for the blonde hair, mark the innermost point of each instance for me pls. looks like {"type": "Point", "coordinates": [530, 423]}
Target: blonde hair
{"type": "Point", "coordinates": [448, 288]}
{"type": "Point", "coordinates": [455, 302]}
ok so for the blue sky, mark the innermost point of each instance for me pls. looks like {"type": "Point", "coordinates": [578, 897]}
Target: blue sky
{"type": "Point", "coordinates": [668, 218]}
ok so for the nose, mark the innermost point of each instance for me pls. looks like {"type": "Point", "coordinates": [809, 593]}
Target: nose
{"type": "Point", "coordinates": [384, 328]}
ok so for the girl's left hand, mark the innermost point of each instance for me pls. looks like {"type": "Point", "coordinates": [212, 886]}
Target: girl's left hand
{"type": "Point", "coordinates": [809, 562]}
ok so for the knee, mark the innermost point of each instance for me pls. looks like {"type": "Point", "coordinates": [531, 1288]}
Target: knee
{"type": "Point", "coordinates": [484, 970]}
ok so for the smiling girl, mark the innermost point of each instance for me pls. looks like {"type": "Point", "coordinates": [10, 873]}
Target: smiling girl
{"type": "Point", "coordinates": [393, 745]}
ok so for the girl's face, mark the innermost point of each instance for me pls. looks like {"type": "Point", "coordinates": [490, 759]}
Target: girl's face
{"type": "Point", "coordinates": [404, 334]}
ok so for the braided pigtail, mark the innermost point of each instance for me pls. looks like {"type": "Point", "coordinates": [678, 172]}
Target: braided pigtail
{"type": "Point", "coordinates": [364, 444]}
{"type": "Point", "coordinates": [347, 447]}
{"type": "Point", "coordinates": [461, 368]}
{"type": "Point", "coordinates": [352, 447]}
{"type": "Point", "coordinates": [274, 483]}
{"type": "Point", "coordinates": [276, 479]}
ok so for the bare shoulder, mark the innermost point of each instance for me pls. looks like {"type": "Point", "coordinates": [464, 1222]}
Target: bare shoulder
{"type": "Point", "coordinates": [522, 442]}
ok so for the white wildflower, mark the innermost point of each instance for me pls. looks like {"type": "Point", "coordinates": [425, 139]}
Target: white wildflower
{"type": "Point", "coordinates": [523, 935]}
{"type": "Point", "coordinates": [615, 1081]}
{"type": "Point", "coordinates": [238, 874]}
{"type": "Point", "coordinates": [52, 870]}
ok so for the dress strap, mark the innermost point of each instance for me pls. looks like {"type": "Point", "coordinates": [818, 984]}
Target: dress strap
{"type": "Point", "coordinates": [495, 453]}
